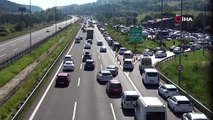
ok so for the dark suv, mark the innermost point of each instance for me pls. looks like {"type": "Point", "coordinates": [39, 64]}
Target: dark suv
{"type": "Point", "coordinates": [89, 65]}
{"type": "Point", "coordinates": [62, 79]}
{"type": "Point", "coordinates": [86, 56]}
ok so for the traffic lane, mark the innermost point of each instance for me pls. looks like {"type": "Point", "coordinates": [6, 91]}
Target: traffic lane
{"type": "Point", "coordinates": [58, 100]}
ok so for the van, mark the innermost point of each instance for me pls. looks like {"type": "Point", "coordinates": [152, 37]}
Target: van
{"type": "Point", "coordinates": [129, 99]}
{"type": "Point", "coordinates": [145, 62]}
{"type": "Point", "coordinates": [150, 108]}
{"type": "Point", "coordinates": [150, 76]}
{"type": "Point", "coordinates": [127, 54]}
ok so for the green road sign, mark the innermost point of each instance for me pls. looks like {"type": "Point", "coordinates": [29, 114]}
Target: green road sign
{"type": "Point", "coordinates": [135, 34]}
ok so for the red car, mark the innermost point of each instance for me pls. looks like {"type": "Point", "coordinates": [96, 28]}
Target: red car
{"type": "Point", "coordinates": [62, 79]}
{"type": "Point", "coordinates": [114, 87]}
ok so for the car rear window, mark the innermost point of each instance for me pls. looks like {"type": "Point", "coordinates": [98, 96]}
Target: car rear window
{"type": "Point", "coordinates": [172, 89]}
{"type": "Point", "coordinates": [152, 74]}
{"type": "Point", "coordinates": [116, 85]}
{"type": "Point", "coordinates": [106, 74]}
{"type": "Point", "coordinates": [131, 98]}
{"type": "Point", "coordinates": [183, 102]}
{"type": "Point", "coordinates": [62, 78]}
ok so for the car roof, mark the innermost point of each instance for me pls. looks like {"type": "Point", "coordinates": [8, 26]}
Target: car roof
{"type": "Point", "coordinates": [89, 60]}
{"type": "Point", "coordinates": [128, 60]}
{"type": "Point", "coordinates": [68, 62]}
{"type": "Point", "coordinates": [169, 86]}
{"type": "Point", "coordinates": [63, 74]}
{"type": "Point", "coordinates": [181, 98]}
{"type": "Point", "coordinates": [196, 115]}
{"type": "Point", "coordinates": [122, 48]}
{"type": "Point", "coordinates": [68, 55]}
{"type": "Point", "coordinates": [114, 81]}
{"type": "Point", "coordinates": [150, 70]}
{"type": "Point", "coordinates": [128, 51]}
{"type": "Point", "coordinates": [130, 93]}
{"type": "Point", "coordinates": [105, 71]}
{"type": "Point", "coordinates": [111, 66]}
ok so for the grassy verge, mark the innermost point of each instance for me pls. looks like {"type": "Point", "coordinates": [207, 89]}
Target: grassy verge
{"type": "Point", "coordinates": [195, 75]}
{"type": "Point", "coordinates": [24, 31]}
{"type": "Point", "coordinates": [25, 87]}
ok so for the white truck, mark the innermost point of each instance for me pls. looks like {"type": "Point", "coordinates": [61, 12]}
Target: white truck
{"type": "Point", "coordinates": [150, 108]}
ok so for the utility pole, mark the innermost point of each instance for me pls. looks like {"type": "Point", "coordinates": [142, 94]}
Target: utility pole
{"type": "Point", "coordinates": [161, 24]}
{"type": "Point", "coordinates": [30, 31]}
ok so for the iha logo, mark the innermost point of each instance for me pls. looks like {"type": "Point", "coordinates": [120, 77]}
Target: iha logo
{"type": "Point", "coordinates": [179, 19]}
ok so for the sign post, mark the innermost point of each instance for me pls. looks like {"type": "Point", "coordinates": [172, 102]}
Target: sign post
{"type": "Point", "coordinates": [135, 36]}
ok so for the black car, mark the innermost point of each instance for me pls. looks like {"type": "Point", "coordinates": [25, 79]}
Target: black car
{"type": "Point", "coordinates": [113, 69]}
{"type": "Point", "coordinates": [86, 56]}
{"type": "Point", "coordinates": [89, 65]}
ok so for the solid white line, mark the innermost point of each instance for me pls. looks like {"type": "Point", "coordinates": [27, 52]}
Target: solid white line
{"type": "Point", "coordinates": [99, 57]}
{"type": "Point", "coordinates": [74, 111]}
{"type": "Point", "coordinates": [45, 93]}
{"type": "Point", "coordinates": [101, 67]}
{"type": "Point", "coordinates": [15, 49]}
{"type": "Point", "coordinates": [113, 112]}
{"type": "Point", "coordinates": [2, 55]}
{"type": "Point", "coordinates": [79, 79]}
{"type": "Point", "coordinates": [81, 66]}
{"type": "Point", "coordinates": [82, 56]}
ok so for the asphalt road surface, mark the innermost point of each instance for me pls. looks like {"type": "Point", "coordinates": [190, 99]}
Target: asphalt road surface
{"type": "Point", "coordinates": [85, 98]}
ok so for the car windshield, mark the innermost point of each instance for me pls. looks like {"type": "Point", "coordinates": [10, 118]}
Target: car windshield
{"type": "Point", "coordinates": [127, 62]}
{"type": "Point", "coordinates": [172, 89]}
{"type": "Point", "coordinates": [67, 59]}
{"type": "Point", "coordinates": [106, 74]}
{"type": "Point", "coordinates": [131, 98]}
{"type": "Point", "coordinates": [116, 85]}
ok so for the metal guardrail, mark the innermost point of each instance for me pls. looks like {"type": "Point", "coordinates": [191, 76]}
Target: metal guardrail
{"type": "Point", "coordinates": [38, 83]}
{"type": "Point", "coordinates": [195, 102]}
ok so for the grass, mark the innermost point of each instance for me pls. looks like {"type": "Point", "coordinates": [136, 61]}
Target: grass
{"type": "Point", "coordinates": [12, 34]}
{"type": "Point", "coordinates": [25, 87]}
{"type": "Point", "coordinates": [195, 75]}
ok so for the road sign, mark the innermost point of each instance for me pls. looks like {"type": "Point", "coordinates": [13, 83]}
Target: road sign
{"type": "Point", "coordinates": [135, 34]}
{"type": "Point", "coordinates": [179, 67]}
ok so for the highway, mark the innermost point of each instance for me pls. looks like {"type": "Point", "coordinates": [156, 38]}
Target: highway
{"type": "Point", "coordinates": [85, 98]}
{"type": "Point", "coordinates": [13, 46]}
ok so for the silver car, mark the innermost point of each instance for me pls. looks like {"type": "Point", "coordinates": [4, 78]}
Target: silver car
{"type": "Point", "coordinates": [104, 76]}
{"type": "Point", "coordinates": [160, 54]}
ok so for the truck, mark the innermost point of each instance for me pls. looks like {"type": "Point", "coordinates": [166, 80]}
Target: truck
{"type": "Point", "coordinates": [150, 108]}
{"type": "Point", "coordinates": [145, 62]}
{"type": "Point", "coordinates": [89, 33]}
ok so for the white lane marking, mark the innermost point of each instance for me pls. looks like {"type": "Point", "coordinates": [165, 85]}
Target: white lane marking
{"type": "Point", "coordinates": [2, 49]}
{"type": "Point", "coordinates": [16, 49]}
{"type": "Point", "coordinates": [74, 111]}
{"type": "Point", "coordinates": [82, 56]}
{"type": "Point", "coordinates": [101, 67]}
{"type": "Point", "coordinates": [45, 93]}
{"type": "Point", "coordinates": [2, 55]}
{"type": "Point", "coordinates": [83, 50]}
{"type": "Point", "coordinates": [12, 44]}
{"type": "Point", "coordinates": [79, 79]}
{"type": "Point", "coordinates": [127, 73]}
{"type": "Point", "coordinates": [113, 112]}
{"type": "Point", "coordinates": [81, 66]}
{"type": "Point", "coordinates": [99, 57]}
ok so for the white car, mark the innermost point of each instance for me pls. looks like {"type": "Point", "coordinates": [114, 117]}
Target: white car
{"type": "Point", "coordinates": [179, 103]}
{"type": "Point", "coordinates": [104, 76]}
{"type": "Point", "coordinates": [194, 116]}
{"type": "Point", "coordinates": [68, 58]}
{"type": "Point", "coordinates": [87, 46]}
{"type": "Point", "coordinates": [160, 54]}
{"type": "Point", "coordinates": [122, 50]}
{"type": "Point", "coordinates": [103, 49]}
{"type": "Point", "coordinates": [68, 66]}
{"type": "Point", "coordinates": [167, 90]}
{"type": "Point", "coordinates": [176, 50]}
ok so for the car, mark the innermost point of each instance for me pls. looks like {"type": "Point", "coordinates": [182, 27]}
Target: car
{"type": "Point", "coordinates": [104, 76]}
{"type": "Point", "coordinates": [47, 30]}
{"type": "Point", "coordinates": [122, 50]}
{"type": "Point", "coordinates": [113, 69]}
{"type": "Point", "coordinates": [177, 50]}
{"type": "Point", "coordinates": [62, 79]}
{"type": "Point", "coordinates": [89, 64]}
{"type": "Point", "coordinates": [86, 56]}
{"type": "Point", "coordinates": [103, 49]}
{"type": "Point", "coordinates": [167, 90]}
{"type": "Point", "coordinates": [114, 87]}
{"type": "Point", "coordinates": [69, 66]}
{"type": "Point", "coordinates": [148, 52]}
{"type": "Point", "coordinates": [77, 40]}
{"type": "Point", "coordinates": [160, 54]}
{"type": "Point", "coordinates": [158, 48]}
{"type": "Point", "coordinates": [128, 64]}
{"type": "Point", "coordinates": [194, 116]}
{"type": "Point", "coordinates": [68, 58]}
{"type": "Point", "coordinates": [99, 43]}
{"type": "Point", "coordinates": [87, 46]}
{"type": "Point", "coordinates": [89, 41]}
{"type": "Point", "coordinates": [129, 99]}
{"type": "Point", "coordinates": [172, 48]}
{"type": "Point", "coordinates": [179, 103]}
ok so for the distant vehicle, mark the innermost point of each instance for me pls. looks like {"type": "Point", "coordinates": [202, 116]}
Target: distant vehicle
{"type": "Point", "coordinates": [128, 64]}
{"type": "Point", "coordinates": [87, 46]}
{"type": "Point", "coordinates": [172, 48]}
{"type": "Point", "coordinates": [69, 66]}
{"type": "Point", "coordinates": [114, 87]}
{"type": "Point", "coordinates": [148, 52]}
{"type": "Point", "coordinates": [113, 69]}
{"type": "Point", "coordinates": [116, 46]}
{"type": "Point", "coordinates": [103, 49]}
{"type": "Point", "coordinates": [177, 50]}
{"type": "Point", "coordinates": [129, 99]}
{"type": "Point", "coordinates": [47, 30]}
{"type": "Point", "coordinates": [179, 103]}
{"type": "Point", "coordinates": [62, 79]}
{"type": "Point", "coordinates": [89, 65]}
{"type": "Point", "coordinates": [167, 90]}
{"type": "Point", "coordinates": [89, 41]}
{"type": "Point", "coordinates": [89, 33]}
{"type": "Point", "coordinates": [158, 48]}
{"type": "Point", "coordinates": [194, 116]}
{"type": "Point", "coordinates": [99, 43]}
{"type": "Point", "coordinates": [163, 34]}
{"type": "Point", "coordinates": [150, 76]}
{"type": "Point", "coordinates": [145, 62]}
{"type": "Point", "coordinates": [160, 54]}
{"type": "Point", "coordinates": [68, 58]}
{"type": "Point", "coordinates": [104, 76]}
{"type": "Point", "coordinates": [150, 108]}
{"type": "Point", "coordinates": [86, 56]}
{"type": "Point", "coordinates": [127, 55]}
{"type": "Point", "coordinates": [77, 40]}
{"type": "Point", "coordinates": [122, 50]}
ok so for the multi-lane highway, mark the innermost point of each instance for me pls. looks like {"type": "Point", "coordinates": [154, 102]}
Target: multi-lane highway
{"type": "Point", "coordinates": [13, 46]}
{"type": "Point", "coordinates": [85, 98]}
